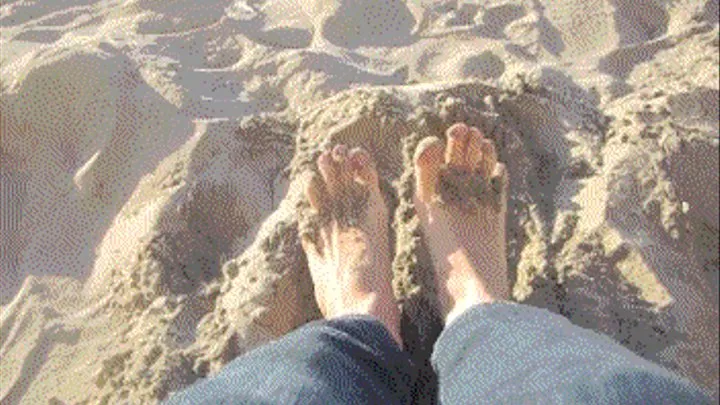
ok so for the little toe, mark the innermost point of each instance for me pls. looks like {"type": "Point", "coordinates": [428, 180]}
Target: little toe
{"type": "Point", "coordinates": [312, 249]}
{"type": "Point", "coordinates": [316, 193]}
{"type": "Point", "coordinates": [457, 136]}
{"type": "Point", "coordinates": [473, 155]}
{"type": "Point", "coordinates": [500, 179]}
{"type": "Point", "coordinates": [428, 164]}
{"type": "Point", "coordinates": [329, 171]}
{"type": "Point", "coordinates": [489, 158]}
{"type": "Point", "coordinates": [363, 168]}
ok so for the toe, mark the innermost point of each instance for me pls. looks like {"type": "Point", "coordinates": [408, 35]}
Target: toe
{"type": "Point", "coordinates": [473, 155]}
{"type": "Point", "coordinates": [312, 249]}
{"type": "Point", "coordinates": [363, 168]}
{"type": "Point", "coordinates": [500, 179]}
{"type": "Point", "coordinates": [315, 192]}
{"type": "Point", "coordinates": [489, 158]}
{"type": "Point", "coordinates": [329, 171]}
{"type": "Point", "coordinates": [340, 153]}
{"type": "Point", "coordinates": [457, 136]}
{"type": "Point", "coordinates": [340, 156]}
{"type": "Point", "coordinates": [428, 163]}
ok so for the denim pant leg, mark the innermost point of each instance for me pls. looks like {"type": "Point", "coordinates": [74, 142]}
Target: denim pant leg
{"type": "Point", "coordinates": [507, 353]}
{"type": "Point", "coordinates": [348, 360]}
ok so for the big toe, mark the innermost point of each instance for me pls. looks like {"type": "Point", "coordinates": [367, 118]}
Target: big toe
{"type": "Point", "coordinates": [429, 157]}
{"type": "Point", "coordinates": [316, 193]}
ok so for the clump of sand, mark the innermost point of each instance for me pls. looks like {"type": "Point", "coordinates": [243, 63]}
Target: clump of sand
{"type": "Point", "coordinates": [153, 157]}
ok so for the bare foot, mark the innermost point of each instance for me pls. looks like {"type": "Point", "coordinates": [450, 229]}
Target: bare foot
{"type": "Point", "coordinates": [466, 232]}
{"type": "Point", "coordinates": [349, 259]}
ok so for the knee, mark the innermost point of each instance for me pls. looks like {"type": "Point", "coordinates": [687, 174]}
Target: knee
{"type": "Point", "coordinates": [640, 386]}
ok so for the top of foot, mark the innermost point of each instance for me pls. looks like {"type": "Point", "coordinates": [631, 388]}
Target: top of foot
{"type": "Point", "coordinates": [349, 256]}
{"type": "Point", "coordinates": [461, 198]}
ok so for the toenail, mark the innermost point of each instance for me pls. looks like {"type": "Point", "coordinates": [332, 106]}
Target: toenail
{"type": "Point", "coordinates": [324, 157]}
{"type": "Point", "coordinates": [427, 147]}
{"type": "Point", "coordinates": [360, 160]}
{"type": "Point", "coordinates": [458, 131]}
{"type": "Point", "coordinates": [356, 164]}
{"type": "Point", "coordinates": [340, 152]}
{"type": "Point", "coordinates": [360, 155]}
{"type": "Point", "coordinates": [427, 154]}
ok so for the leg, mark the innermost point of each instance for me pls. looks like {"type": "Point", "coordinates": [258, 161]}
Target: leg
{"type": "Point", "coordinates": [512, 353]}
{"type": "Point", "coordinates": [492, 351]}
{"type": "Point", "coordinates": [355, 355]}
{"type": "Point", "coordinates": [347, 360]}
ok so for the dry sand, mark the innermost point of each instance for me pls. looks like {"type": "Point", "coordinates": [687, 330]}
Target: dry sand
{"type": "Point", "coordinates": [150, 154]}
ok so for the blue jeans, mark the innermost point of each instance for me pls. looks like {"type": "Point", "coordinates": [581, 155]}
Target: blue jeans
{"type": "Point", "coordinates": [499, 353]}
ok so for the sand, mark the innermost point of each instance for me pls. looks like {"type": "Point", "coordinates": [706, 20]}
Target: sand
{"type": "Point", "coordinates": [153, 153]}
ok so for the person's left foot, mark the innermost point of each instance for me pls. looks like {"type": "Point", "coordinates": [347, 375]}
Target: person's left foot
{"type": "Point", "coordinates": [349, 258]}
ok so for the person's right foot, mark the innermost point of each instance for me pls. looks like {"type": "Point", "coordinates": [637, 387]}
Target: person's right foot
{"type": "Point", "coordinates": [466, 239]}
{"type": "Point", "coordinates": [349, 259]}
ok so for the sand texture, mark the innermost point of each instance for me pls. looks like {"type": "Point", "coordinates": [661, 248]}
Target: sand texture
{"type": "Point", "coordinates": [152, 156]}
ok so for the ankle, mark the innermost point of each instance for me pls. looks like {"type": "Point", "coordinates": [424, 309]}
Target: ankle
{"type": "Point", "coordinates": [384, 308]}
